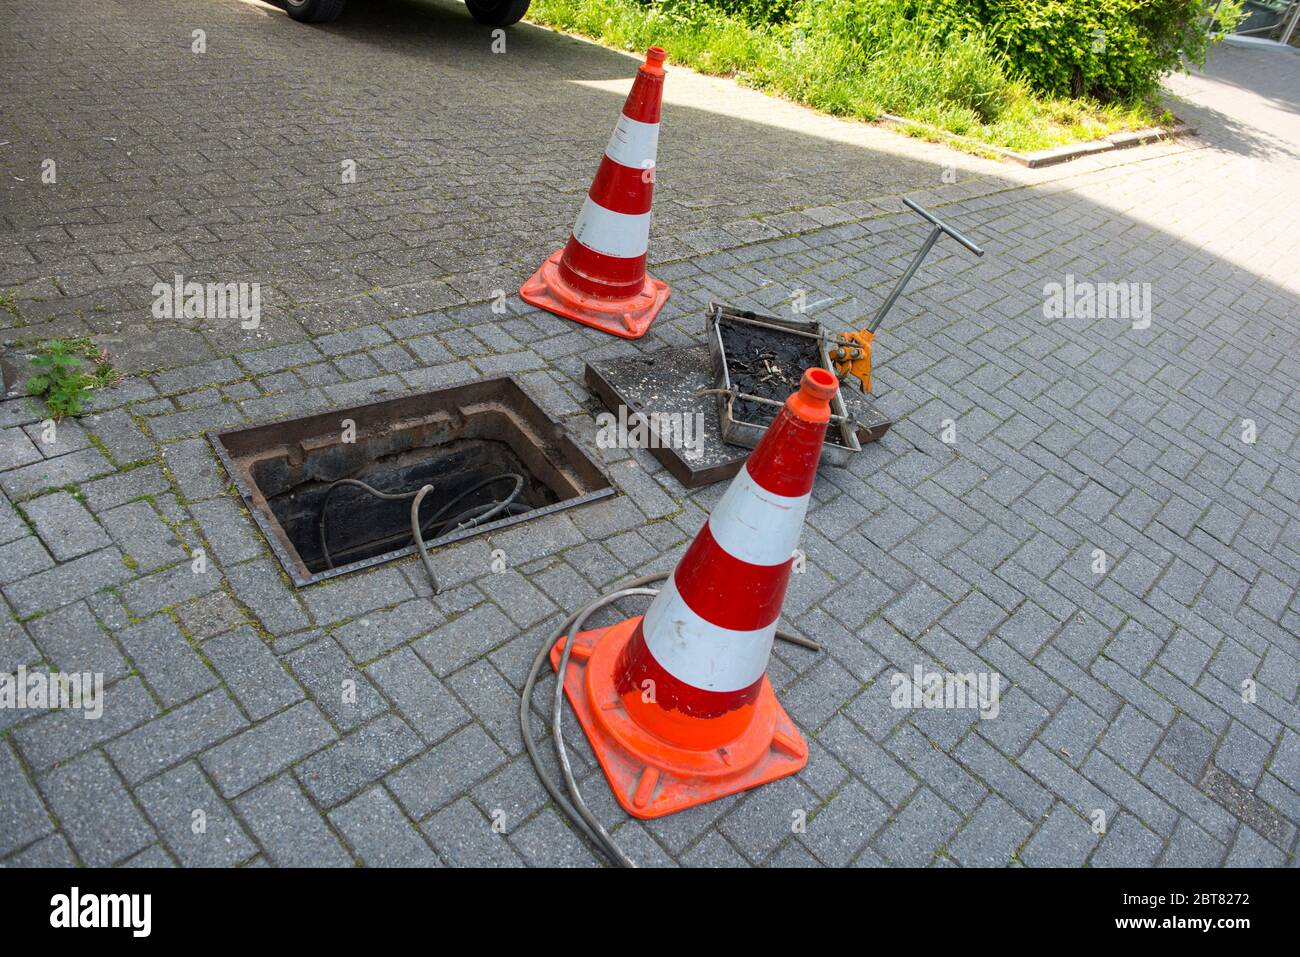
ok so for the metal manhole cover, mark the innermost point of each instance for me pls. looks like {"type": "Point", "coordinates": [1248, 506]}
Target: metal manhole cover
{"type": "Point", "coordinates": [493, 456]}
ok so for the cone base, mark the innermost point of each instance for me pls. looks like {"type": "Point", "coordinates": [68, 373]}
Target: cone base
{"type": "Point", "coordinates": [628, 318]}
{"type": "Point", "coordinates": [651, 777]}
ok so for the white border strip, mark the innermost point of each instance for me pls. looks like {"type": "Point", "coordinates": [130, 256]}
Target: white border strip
{"type": "Point", "coordinates": [755, 525]}
{"type": "Point", "coordinates": [633, 144]}
{"type": "Point", "coordinates": [625, 235]}
{"type": "Point", "coordinates": [697, 651]}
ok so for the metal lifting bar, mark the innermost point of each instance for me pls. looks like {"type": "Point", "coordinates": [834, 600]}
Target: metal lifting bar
{"type": "Point", "coordinates": [940, 227]}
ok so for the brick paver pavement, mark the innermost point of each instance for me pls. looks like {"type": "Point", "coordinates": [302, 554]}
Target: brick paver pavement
{"type": "Point", "coordinates": [1160, 693]}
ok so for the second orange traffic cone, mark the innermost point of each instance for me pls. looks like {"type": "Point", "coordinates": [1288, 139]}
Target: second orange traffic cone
{"type": "Point", "coordinates": [599, 278]}
{"type": "Point", "coordinates": [677, 705]}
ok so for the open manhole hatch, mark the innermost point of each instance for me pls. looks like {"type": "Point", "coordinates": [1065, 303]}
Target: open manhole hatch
{"type": "Point", "coordinates": [479, 445]}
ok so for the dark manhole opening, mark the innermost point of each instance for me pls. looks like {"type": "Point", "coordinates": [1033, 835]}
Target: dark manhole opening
{"type": "Point", "coordinates": [493, 457]}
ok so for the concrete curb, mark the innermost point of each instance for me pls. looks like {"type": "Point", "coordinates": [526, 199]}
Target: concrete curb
{"type": "Point", "coordinates": [1058, 154]}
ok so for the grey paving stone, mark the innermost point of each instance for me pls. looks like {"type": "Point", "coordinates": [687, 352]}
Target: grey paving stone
{"type": "Point", "coordinates": [151, 857]}
{"type": "Point", "coordinates": [991, 837]}
{"type": "Point", "coordinates": [63, 437]}
{"type": "Point", "coordinates": [1063, 781]}
{"type": "Point", "coordinates": [254, 676]}
{"type": "Point", "coordinates": [11, 524]}
{"type": "Point", "coordinates": [358, 759]}
{"type": "Point", "coordinates": [95, 811]}
{"type": "Point", "coordinates": [15, 647]}
{"type": "Point", "coordinates": [1192, 847]}
{"type": "Point", "coordinates": [16, 449]}
{"type": "Point", "coordinates": [939, 771]}
{"type": "Point", "coordinates": [65, 470]}
{"type": "Point", "coordinates": [1190, 801]}
{"type": "Point", "coordinates": [67, 583]}
{"type": "Point", "coordinates": [374, 633]}
{"type": "Point", "coordinates": [1130, 739]}
{"type": "Point", "coordinates": [444, 771]}
{"type": "Point", "coordinates": [463, 837]}
{"type": "Point", "coordinates": [190, 377]}
{"type": "Point", "coordinates": [1028, 629]}
{"type": "Point", "coordinates": [918, 831]}
{"type": "Point", "coordinates": [1063, 840]}
{"type": "Point", "coordinates": [462, 640]}
{"type": "Point", "coordinates": [917, 609]}
{"type": "Point", "coordinates": [1073, 731]}
{"type": "Point", "coordinates": [1185, 656]}
{"type": "Point", "coordinates": [868, 761]}
{"type": "Point", "coordinates": [288, 828]}
{"type": "Point", "coordinates": [493, 702]}
{"type": "Point", "coordinates": [1251, 850]}
{"type": "Point", "coordinates": [64, 525]}
{"type": "Point", "coordinates": [120, 436]}
{"type": "Point", "coordinates": [210, 615]}
{"type": "Point", "coordinates": [713, 851]}
{"type": "Point", "coordinates": [257, 584]}
{"type": "Point", "coordinates": [1243, 754]}
{"type": "Point", "coordinates": [229, 533]}
{"type": "Point", "coordinates": [180, 733]}
{"type": "Point", "coordinates": [1186, 747]}
{"type": "Point", "coordinates": [1133, 691]}
{"type": "Point", "coordinates": [973, 619]}
{"type": "Point", "coordinates": [547, 841]}
{"type": "Point", "coordinates": [141, 534]}
{"type": "Point", "coordinates": [267, 748]}
{"type": "Point", "coordinates": [1004, 777]}
{"type": "Point", "coordinates": [122, 487]}
{"type": "Point", "coordinates": [844, 825]}
{"type": "Point", "coordinates": [418, 696]}
{"type": "Point", "coordinates": [194, 469]}
{"type": "Point", "coordinates": [52, 851]}
{"type": "Point", "coordinates": [196, 824]}
{"type": "Point", "coordinates": [1127, 844]}
{"type": "Point", "coordinates": [23, 817]}
{"type": "Point", "coordinates": [1125, 788]}
{"type": "Point", "coordinates": [380, 834]}
{"type": "Point", "coordinates": [1286, 760]}
{"type": "Point", "coordinates": [765, 817]}
{"type": "Point", "coordinates": [354, 595]}
{"type": "Point", "coordinates": [820, 693]}
{"type": "Point", "coordinates": [341, 690]}
{"type": "Point", "coordinates": [1018, 720]}
{"type": "Point", "coordinates": [169, 665]}
{"type": "Point", "coordinates": [72, 640]}
{"type": "Point", "coordinates": [58, 735]}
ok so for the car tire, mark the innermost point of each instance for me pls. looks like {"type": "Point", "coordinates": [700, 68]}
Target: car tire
{"type": "Point", "coordinates": [497, 13]}
{"type": "Point", "coordinates": [314, 11]}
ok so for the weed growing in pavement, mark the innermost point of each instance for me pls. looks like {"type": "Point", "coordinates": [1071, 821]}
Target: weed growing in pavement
{"type": "Point", "coordinates": [63, 381]}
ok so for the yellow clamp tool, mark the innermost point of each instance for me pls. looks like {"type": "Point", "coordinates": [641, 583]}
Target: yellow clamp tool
{"type": "Point", "coordinates": [851, 351]}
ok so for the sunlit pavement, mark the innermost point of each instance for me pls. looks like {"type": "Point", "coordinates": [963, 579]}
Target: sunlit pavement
{"type": "Point", "coordinates": [1100, 509]}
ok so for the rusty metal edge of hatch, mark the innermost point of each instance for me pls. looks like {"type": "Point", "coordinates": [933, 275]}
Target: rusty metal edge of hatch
{"type": "Point", "coordinates": [294, 566]}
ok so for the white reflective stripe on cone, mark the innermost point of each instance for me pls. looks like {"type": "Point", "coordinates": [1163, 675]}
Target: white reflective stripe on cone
{"type": "Point", "coordinates": [633, 144]}
{"type": "Point", "coordinates": [697, 651]}
{"type": "Point", "coordinates": [625, 235]}
{"type": "Point", "coordinates": [755, 525]}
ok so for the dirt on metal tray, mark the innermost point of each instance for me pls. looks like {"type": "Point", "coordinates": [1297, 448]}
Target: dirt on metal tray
{"type": "Point", "coordinates": [766, 363]}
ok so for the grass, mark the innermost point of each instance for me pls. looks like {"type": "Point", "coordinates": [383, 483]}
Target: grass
{"type": "Point", "coordinates": [960, 86]}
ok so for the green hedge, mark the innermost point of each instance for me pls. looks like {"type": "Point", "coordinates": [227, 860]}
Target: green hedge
{"type": "Point", "coordinates": [1110, 50]}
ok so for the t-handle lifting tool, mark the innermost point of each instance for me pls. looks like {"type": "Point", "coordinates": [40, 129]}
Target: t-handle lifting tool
{"type": "Point", "coordinates": [853, 355]}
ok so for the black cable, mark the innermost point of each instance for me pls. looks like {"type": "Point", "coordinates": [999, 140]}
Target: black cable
{"type": "Point", "coordinates": [471, 517]}
{"type": "Point", "coordinates": [386, 496]}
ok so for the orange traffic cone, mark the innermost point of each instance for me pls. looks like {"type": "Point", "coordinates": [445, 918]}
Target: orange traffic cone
{"type": "Point", "coordinates": [677, 704]}
{"type": "Point", "coordinates": [599, 277]}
